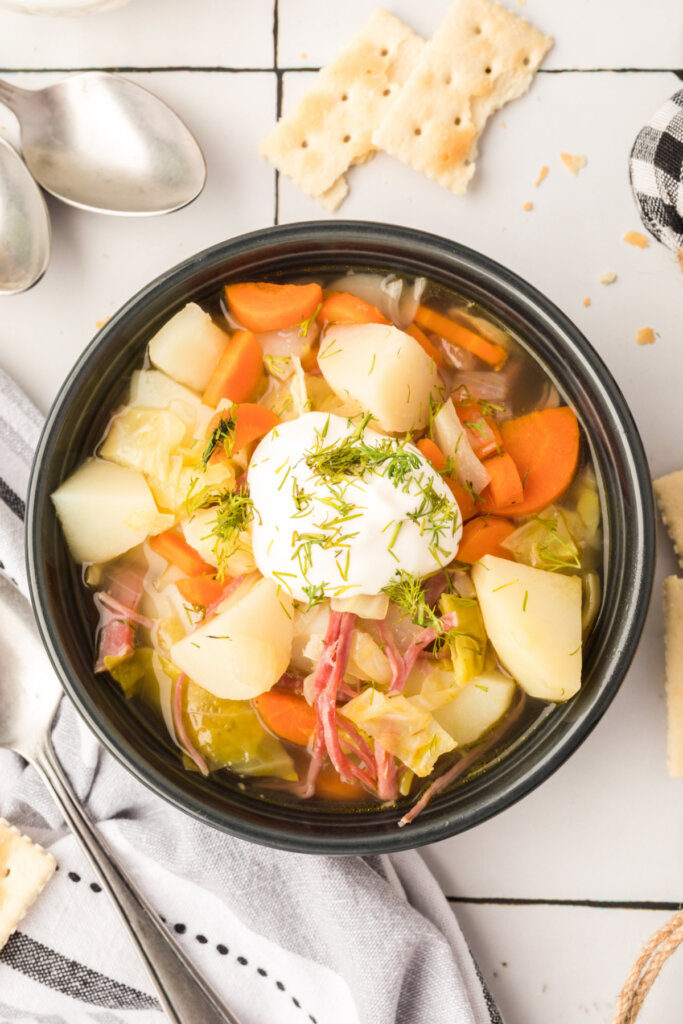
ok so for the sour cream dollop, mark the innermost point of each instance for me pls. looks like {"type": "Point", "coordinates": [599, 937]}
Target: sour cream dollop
{"type": "Point", "coordinates": [340, 509]}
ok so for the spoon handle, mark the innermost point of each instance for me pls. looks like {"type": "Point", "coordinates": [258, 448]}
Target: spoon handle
{"type": "Point", "coordinates": [184, 995]}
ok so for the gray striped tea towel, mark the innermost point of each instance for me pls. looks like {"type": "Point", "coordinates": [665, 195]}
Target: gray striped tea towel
{"type": "Point", "coordinates": [284, 937]}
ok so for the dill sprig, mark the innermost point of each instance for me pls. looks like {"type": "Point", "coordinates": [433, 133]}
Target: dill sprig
{"type": "Point", "coordinates": [567, 557]}
{"type": "Point", "coordinates": [304, 325]}
{"type": "Point", "coordinates": [352, 456]}
{"type": "Point", "coordinates": [234, 512]}
{"type": "Point", "coordinates": [222, 437]}
{"type": "Point", "coordinates": [407, 591]}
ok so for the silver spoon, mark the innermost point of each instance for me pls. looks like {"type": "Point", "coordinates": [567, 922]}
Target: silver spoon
{"type": "Point", "coordinates": [99, 142]}
{"type": "Point", "coordinates": [29, 696]}
{"type": "Point", "coordinates": [24, 225]}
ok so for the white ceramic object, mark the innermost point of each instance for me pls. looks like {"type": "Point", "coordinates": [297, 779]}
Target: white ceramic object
{"type": "Point", "coordinates": [71, 7]}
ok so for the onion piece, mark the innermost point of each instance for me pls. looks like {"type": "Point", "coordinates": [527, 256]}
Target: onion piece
{"type": "Point", "coordinates": [287, 343]}
{"type": "Point", "coordinates": [451, 437]}
{"type": "Point", "coordinates": [485, 384]}
{"type": "Point", "coordinates": [412, 301]}
{"type": "Point", "coordinates": [181, 732]}
{"type": "Point", "coordinates": [393, 289]}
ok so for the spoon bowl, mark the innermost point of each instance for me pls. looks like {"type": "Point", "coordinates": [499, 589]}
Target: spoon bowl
{"type": "Point", "coordinates": [102, 143]}
{"type": "Point", "coordinates": [24, 225]}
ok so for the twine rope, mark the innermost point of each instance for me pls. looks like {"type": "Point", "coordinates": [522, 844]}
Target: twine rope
{"type": "Point", "coordinates": [644, 972]}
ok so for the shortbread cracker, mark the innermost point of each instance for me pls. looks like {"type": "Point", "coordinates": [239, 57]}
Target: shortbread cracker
{"type": "Point", "coordinates": [331, 127]}
{"type": "Point", "coordinates": [25, 868]}
{"type": "Point", "coordinates": [669, 494]}
{"type": "Point", "coordinates": [480, 57]}
{"type": "Point", "coordinates": [673, 612]}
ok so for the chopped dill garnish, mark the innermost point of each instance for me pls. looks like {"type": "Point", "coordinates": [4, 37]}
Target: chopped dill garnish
{"type": "Point", "coordinates": [222, 437]}
{"type": "Point", "coordinates": [504, 585]}
{"type": "Point", "coordinates": [372, 364]}
{"type": "Point", "coordinates": [305, 324]}
{"type": "Point", "coordinates": [234, 512]}
{"type": "Point", "coordinates": [314, 594]}
{"type": "Point", "coordinates": [526, 598]}
{"type": "Point", "coordinates": [407, 592]}
{"type": "Point", "coordinates": [352, 456]}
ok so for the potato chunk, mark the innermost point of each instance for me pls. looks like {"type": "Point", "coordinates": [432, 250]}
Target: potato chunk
{"type": "Point", "coordinates": [383, 370]}
{"type": "Point", "coordinates": [242, 650]}
{"type": "Point", "coordinates": [105, 510]}
{"type": "Point", "coordinates": [476, 708]}
{"type": "Point", "coordinates": [188, 347]}
{"type": "Point", "coordinates": [533, 619]}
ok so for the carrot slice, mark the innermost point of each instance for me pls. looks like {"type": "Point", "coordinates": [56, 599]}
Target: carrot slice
{"type": "Point", "coordinates": [176, 550]}
{"type": "Point", "coordinates": [345, 308]}
{"type": "Point", "coordinates": [238, 371]}
{"type": "Point", "coordinates": [484, 536]}
{"type": "Point", "coordinates": [482, 431]}
{"type": "Point", "coordinates": [545, 448]}
{"type": "Point", "coordinates": [261, 306]}
{"type": "Point", "coordinates": [202, 590]}
{"type": "Point", "coordinates": [249, 420]}
{"type": "Point", "coordinates": [465, 500]}
{"type": "Point", "coordinates": [328, 786]}
{"type": "Point", "coordinates": [288, 715]}
{"type": "Point", "coordinates": [422, 340]}
{"type": "Point", "coordinates": [494, 355]}
{"type": "Point", "coordinates": [505, 489]}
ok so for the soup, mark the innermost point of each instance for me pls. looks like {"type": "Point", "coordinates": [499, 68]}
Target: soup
{"type": "Point", "coordinates": [343, 537]}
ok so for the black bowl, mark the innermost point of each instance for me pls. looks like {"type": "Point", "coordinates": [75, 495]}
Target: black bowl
{"type": "Point", "coordinates": [77, 421]}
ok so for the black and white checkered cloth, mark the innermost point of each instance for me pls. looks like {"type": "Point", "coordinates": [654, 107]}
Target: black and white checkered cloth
{"type": "Point", "coordinates": [656, 168]}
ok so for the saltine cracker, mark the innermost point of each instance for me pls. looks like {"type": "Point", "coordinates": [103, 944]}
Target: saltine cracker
{"type": "Point", "coordinates": [25, 868]}
{"type": "Point", "coordinates": [480, 57]}
{"type": "Point", "coordinates": [331, 127]}
{"type": "Point", "coordinates": [669, 494]}
{"type": "Point", "coordinates": [673, 614]}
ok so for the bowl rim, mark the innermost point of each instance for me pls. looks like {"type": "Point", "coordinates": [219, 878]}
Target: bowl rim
{"type": "Point", "coordinates": [321, 236]}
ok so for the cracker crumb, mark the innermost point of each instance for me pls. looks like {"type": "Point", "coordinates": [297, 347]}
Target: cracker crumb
{"type": "Point", "coordinates": [586, 301]}
{"type": "Point", "coordinates": [574, 162]}
{"type": "Point", "coordinates": [528, 206]}
{"type": "Point", "coordinates": [679, 257]}
{"type": "Point", "coordinates": [99, 324]}
{"type": "Point", "coordinates": [303, 56]}
{"type": "Point", "coordinates": [645, 336]}
{"type": "Point", "coordinates": [541, 175]}
{"type": "Point", "coordinates": [607, 277]}
{"type": "Point", "coordinates": [635, 238]}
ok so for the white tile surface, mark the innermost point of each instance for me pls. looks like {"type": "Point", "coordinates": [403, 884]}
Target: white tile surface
{"type": "Point", "coordinates": [99, 262]}
{"type": "Point", "coordinates": [145, 33]}
{"type": "Point", "coordinates": [609, 824]}
{"type": "Point", "coordinates": [587, 34]}
{"type": "Point", "coordinates": [565, 965]}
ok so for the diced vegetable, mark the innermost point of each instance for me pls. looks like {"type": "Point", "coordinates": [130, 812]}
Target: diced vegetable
{"type": "Point", "coordinates": [482, 431]}
{"type": "Point", "coordinates": [545, 542]}
{"type": "Point", "coordinates": [345, 308]}
{"type": "Point", "coordinates": [423, 341]}
{"type": "Point", "coordinates": [367, 661]}
{"type": "Point", "coordinates": [106, 509]}
{"type": "Point", "coordinates": [383, 370]}
{"type": "Point", "coordinates": [484, 536]}
{"type": "Point", "coordinates": [451, 437]}
{"type": "Point", "coordinates": [202, 591]}
{"type": "Point", "coordinates": [505, 489]}
{"type": "Point", "coordinates": [243, 650]}
{"type": "Point", "coordinates": [238, 371]}
{"type": "Point", "coordinates": [239, 426]}
{"type": "Point", "coordinates": [476, 708]}
{"type": "Point", "coordinates": [152, 389]}
{"type": "Point", "coordinates": [228, 550]}
{"type": "Point", "coordinates": [229, 734]}
{"type": "Point", "coordinates": [260, 306]}
{"type": "Point", "coordinates": [130, 671]}
{"type": "Point", "coordinates": [145, 439]}
{"type": "Point", "coordinates": [464, 498]}
{"type": "Point", "coordinates": [188, 347]}
{"type": "Point", "coordinates": [364, 606]}
{"type": "Point", "coordinates": [405, 730]}
{"type": "Point", "coordinates": [533, 620]}
{"type": "Point", "coordinates": [287, 715]}
{"type": "Point", "coordinates": [491, 353]}
{"type": "Point", "coordinates": [174, 549]}
{"type": "Point", "coordinates": [545, 448]}
{"type": "Point", "coordinates": [467, 642]}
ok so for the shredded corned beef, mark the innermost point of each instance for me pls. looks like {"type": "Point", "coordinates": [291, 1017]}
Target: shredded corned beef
{"type": "Point", "coordinates": [117, 607]}
{"type": "Point", "coordinates": [427, 637]}
{"type": "Point", "coordinates": [387, 778]}
{"type": "Point", "coordinates": [395, 658]}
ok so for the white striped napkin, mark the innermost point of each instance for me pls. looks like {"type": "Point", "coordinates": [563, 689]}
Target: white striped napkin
{"type": "Point", "coordinates": [284, 937]}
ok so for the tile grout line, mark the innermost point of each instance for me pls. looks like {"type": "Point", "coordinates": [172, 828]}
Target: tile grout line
{"type": "Point", "coordinates": [511, 901]}
{"type": "Point", "coordinates": [279, 71]}
{"type": "Point", "coordinates": [278, 99]}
